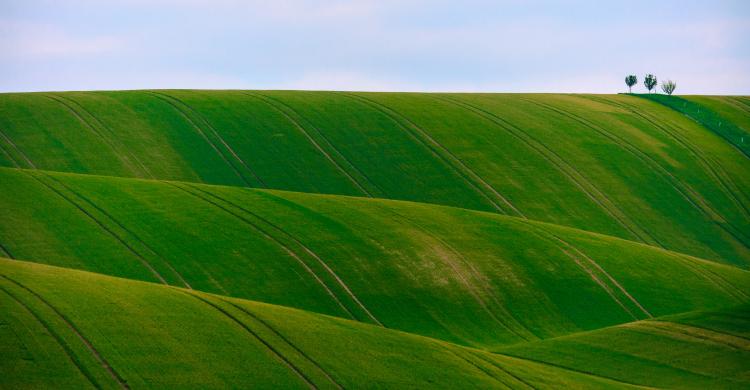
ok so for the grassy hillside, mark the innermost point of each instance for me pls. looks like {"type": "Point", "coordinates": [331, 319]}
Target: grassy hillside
{"type": "Point", "coordinates": [283, 239]}
{"type": "Point", "coordinates": [70, 329]}
{"type": "Point", "coordinates": [65, 328]}
{"type": "Point", "coordinates": [696, 350]}
{"type": "Point", "coordinates": [469, 277]}
{"type": "Point", "coordinates": [727, 116]}
{"type": "Point", "coordinates": [617, 165]}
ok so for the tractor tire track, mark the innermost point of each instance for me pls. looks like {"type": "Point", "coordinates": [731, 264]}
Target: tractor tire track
{"type": "Point", "coordinates": [168, 99]}
{"type": "Point", "coordinates": [285, 339]}
{"type": "Point", "coordinates": [477, 366]}
{"type": "Point", "coordinates": [105, 364]}
{"type": "Point", "coordinates": [715, 170]}
{"type": "Point", "coordinates": [442, 154]}
{"type": "Point", "coordinates": [60, 341]}
{"type": "Point", "coordinates": [10, 158]}
{"type": "Point", "coordinates": [469, 286]}
{"type": "Point", "coordinates": [557, 161]}
{"type": "Point", "coordinates": [717, 280]}
{"type": "Point", "coordinates": [705, 125]}
{"type": "Point", "coordinates": [212, 280]}
{"type": "Point", "coordinates": [304, 247]}
{"type": "Point", "coordinates": [20, 152]}
{"type": "Point", "coordinates": [561, 245]}
{"type": "Point", "coordinates": [6, 252]}
{"type": "Point", "coordinates": [570, 369]}
{"type": "Point", "coordinates": [738, 337]}
{"type": "Point", "coordinates": [688, 193]}
{"type": "Point", "coordinates": [739, 104]}
{"type": "Point", "coordinates": [220, 138]}
{"type": "Point", "coordinates": [267, 100]}
{"type": "Point", "coordinates": [677, 329]}
{"type": "Point", "coordinates": [605, 273]}
{"type": "Point", "coordinates": [112, 134]}
{"type": "Point", "coordinates": [281, 245]}
{"type": "Point", "coordinates": [121, 226]}
{"type": "Point", "coordinates": [702, 274]}
{"type": "Point", "coordinates": [86, 124]}
{"type": "Point", "coordinates": [598, 281]}
{"type": "Point", "coordinates": [257, 337]}
{"type": "Point", "coordinates": [141, 259]}
{"type": "Point", "coordinates": [501, 368]}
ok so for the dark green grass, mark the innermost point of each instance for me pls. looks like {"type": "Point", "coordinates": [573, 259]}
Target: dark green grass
{"type": "Point", "coordinates": [695, 350]}
{"type": "Point", "coordinates": [469, 277]}
{"type": "Point", "coordinates": [727, 116]}
{"type": "Point", "coordinates": [70, 329]}
{"type": "Point", "coordinates": [617, 165]}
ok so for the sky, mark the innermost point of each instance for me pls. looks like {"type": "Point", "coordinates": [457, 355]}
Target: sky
{"type": "Point", "coordinates": [374, 45]}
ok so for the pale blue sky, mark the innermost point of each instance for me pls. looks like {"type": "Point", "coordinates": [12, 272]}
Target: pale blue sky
{"type": "Point", "coordinates": [407, 45]}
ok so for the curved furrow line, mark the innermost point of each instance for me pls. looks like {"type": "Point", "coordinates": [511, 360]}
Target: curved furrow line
{"type": "Point", "coordinates": [121, 226]}
{"type": "Point", "coordinates": [598, 281]}
{"type": "Point", "coordinates": [701, 272]}
{"type": "Point", "coordinates": [267, 100]}
{"type": "Point", "coordinates": [6, 252]}
{"type": "Point", "coordinates": [672, 328]}
{"type": "Point", "coordinates": [477, 366]}
{"type": "Point", "coordinates": [304, 247]}
{"type": "Point", "coordinates": [212, 280]}
{"type": "Point", "coordinates": [732, 143]}
{"type": "Point", "coordinates": [105, 364]}
{"type": "Point", "coordinates": [257, 337]}
{"type": "Point", "coordinates": [220, 138]}
{"type": "Point", "coordinates": [50, 330]}
{"type": "Point", "coordinates": [742, 295]}
{"type": "Point", "coordinates": [280, 244]}
{"type": "Point", "coordinates": [167, 99]}
{"type": "Point", "coordinates": [441, 153]}
{"type": "Point", "coordinates": [739, 103]}
{"type": "Point", "coordinates": [464, 279]}
{"type": "Point", "coordinates": [569, 171]}
{"type": "Point", "coordinates": [141, 259]}
{"type": "Point", "coordinates": [605, 273]}
{"type": "Point", "coordinates": [285, 340]}
{"type": "Point", "coordinates": [110, 144]}
{"type": "Point", "coordinates": [731, 335]}
{"type": "Point", "coordinates": [501, 368]}
{"type": "Point", "coordinates": [561, 244]}
{"type": "Point", "coordinates": [687, 193]}
{"type": "Point", "coordinates": [109, 130]}
{"type": "Point", "coordinates": [654, 331]}
{"type": "Point", "coordinates": [565, 368]}
{"type": "Point", "coordinates": [10, 158]}
{"type": "Point", "coordinates": [721, 177]}
{"type": "Point", "coordinates": [20, 152]}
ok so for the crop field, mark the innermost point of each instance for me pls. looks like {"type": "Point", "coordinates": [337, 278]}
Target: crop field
{"type": "Point", "coordinates": [283, 239]}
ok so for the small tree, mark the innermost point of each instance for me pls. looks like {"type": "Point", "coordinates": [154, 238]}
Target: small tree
{"type": "Point", "coordinates": [649, 82]}
{"type": "Point", "coordinates": [668, 87]}
{"type": "Point", "coordinates": [631, 81]}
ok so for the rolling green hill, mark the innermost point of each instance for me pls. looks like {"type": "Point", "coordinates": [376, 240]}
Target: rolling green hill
{"type": "Point", "coordinates": [469, 277]}
{"type": "Point", "coordinates": [282, 239]}
{"type": "Point", "coordinates": [696, 350]}
{"type": "Point", "coordinates": [617, 165]}
{"type": "Point", "coordinates": [65, 328]}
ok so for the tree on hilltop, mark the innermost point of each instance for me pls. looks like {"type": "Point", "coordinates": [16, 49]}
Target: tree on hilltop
{"type": "Point", "coordinates": [650, 82]}
{"type": "Point", "coordinates": [631, 80]}
{"type": "Point", "coordinates": [668, 87]}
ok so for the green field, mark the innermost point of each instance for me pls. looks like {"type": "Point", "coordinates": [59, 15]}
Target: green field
{"type": "Point", "coordinates": [335, 239]}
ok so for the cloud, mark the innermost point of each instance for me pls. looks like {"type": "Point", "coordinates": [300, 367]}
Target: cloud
{"type": "Point", "coordinates": [33, 41]}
